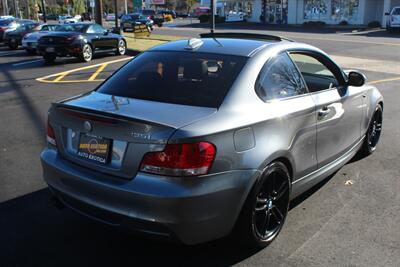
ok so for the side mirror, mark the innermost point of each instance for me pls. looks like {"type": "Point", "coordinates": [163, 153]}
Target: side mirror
{"type": "Point", "coordinates": [387, 13]}
{"type": "Point", "coordinates": [106, 32]}
{"type": "Point", "coordinates": [356, 79]}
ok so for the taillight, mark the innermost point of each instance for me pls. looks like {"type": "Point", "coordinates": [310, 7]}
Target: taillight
{"type": "Point", "coordinates": [51, 137]}
{"type": "Point", "coordinates": [180, 159]}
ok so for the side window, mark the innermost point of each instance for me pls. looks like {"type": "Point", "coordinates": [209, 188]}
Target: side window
{"type": "Point", "coordinates": [98, 28]}
{"type": "Point", "coordinates": [279, 78]}
{"type": "Point", "coordinates": [316, 74]}
{"type": "Point", "coordinates": [90, 29]}
{"type": "Point", "coordinates": [44, 28]}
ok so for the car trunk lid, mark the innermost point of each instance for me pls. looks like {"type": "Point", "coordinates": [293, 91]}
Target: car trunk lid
{"type": "Point", "coordinates": [129, 128]}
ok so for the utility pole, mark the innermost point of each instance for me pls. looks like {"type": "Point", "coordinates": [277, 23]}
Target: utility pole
{"type": "Point", "coordinates": [43, 11]}
{"type": "Point", "coordinates": [212, 21]}
{"type": "Point", "coordinates": [28, 10]}
{"type": "Point", "coordinates": [99, 12]}
{"type": "Point", "coordinates": [16, 8]}
{"type": "Point", "coordinates": [116, 14]}
{"type": "Point", "coordinates": [5, 7]}
{"type": "Point", "coordinates": [126, 7]}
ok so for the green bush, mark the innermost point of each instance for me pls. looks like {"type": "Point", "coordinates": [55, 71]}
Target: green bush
{"type": "Point", "coordinates": [374, 24]}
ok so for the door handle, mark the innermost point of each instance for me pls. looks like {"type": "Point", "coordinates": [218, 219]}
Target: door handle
{"type": "Point", "coordinates": [324, 111]}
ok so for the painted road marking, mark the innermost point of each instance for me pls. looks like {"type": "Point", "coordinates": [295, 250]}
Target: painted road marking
{"type": "Point", "coordinates": [27, 62]}
{"type": "Point", "coordinates": [385, 80]}
{"type": "Point", "coordinates": [58, 77]}
{"type": "Point", "coordinates": [100, 69]}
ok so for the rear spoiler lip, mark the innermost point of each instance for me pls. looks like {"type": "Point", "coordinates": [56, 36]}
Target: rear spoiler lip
{"type": "Point", "coordinates": [103, 114]}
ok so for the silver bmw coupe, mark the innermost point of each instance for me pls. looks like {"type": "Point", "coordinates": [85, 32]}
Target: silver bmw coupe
{"type": "Point", "coordinates": [198, 139]}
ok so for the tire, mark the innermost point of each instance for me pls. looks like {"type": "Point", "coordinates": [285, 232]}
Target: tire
{"type": "Point", "coordinates": [49, 58]}
{"type": "Point", "coordinates": [264, 212]}
{"type": "Point", "coordinates": [13, 45]}
{"type": "Point", "coordinates": [87, 53]}
{"type": "Point", "coordinates": [373, 133]}
{"type": "Point", "coordinates": [121, 48]}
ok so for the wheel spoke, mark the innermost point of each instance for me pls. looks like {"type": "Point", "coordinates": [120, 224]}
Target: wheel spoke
{"type": "Point", "coordinates": [277, 214]}
{"type": "Point", "coordinates": [266, 222]}
{"type": "Point", "coordinates": [261, 204]}
{"type": "Point", "coordinates": [281, 191]}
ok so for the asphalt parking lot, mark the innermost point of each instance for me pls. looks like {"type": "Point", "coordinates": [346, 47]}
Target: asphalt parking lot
{"type": "Point", "coordinates": [334, 224]}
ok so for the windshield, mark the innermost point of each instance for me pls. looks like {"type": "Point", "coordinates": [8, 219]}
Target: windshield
{"type": "Point", "coordinates": [396, 11]}
{"type": "Point", "coordinates": [71, 28]}
{"type": "Point", "coordinates": [196, 79]}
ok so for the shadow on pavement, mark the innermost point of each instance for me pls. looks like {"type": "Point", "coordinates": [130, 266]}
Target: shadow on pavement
{"type": "Point", "coordinates": [34, 233]}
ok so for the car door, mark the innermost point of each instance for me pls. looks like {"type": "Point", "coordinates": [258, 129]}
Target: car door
{"type": "Point", "coordinates": [281, 86]}
{"type": "Point", "coordinates": [108, 40]}
{"type": "Point", "coordinates": [339, 107]}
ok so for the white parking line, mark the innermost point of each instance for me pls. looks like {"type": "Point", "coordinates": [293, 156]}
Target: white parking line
{"type": "Point", "coordinates": [27, 62]}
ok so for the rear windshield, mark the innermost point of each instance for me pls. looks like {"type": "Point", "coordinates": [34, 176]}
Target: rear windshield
{"type": "Point", "coordinates": [195, 79]}
{"type": "Point", "coordinates": [72, 28]}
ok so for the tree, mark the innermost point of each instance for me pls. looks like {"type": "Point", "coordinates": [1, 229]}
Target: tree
{"type": "Point", "coordinates": [79, 7]}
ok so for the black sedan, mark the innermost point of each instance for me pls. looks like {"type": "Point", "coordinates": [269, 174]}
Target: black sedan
{"type": "Point", "coordinates": [80, 40]}
{"type": "Point", "coordinates": [129, 21]}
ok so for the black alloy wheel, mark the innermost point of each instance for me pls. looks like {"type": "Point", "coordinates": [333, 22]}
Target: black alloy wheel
{"type": "Point", "coordinates": [373, 133]}
{"type": "Point", "coordinates": [265, 210]}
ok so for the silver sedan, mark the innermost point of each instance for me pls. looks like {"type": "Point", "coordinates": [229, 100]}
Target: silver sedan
{"type": "Point", "coordinates": [195, 140]}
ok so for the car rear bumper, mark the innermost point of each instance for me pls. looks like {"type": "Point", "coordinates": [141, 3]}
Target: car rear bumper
{"type": "Point", "coordinates": [192, 210]}
{"type": "Point", "coordinates": [60, 50]}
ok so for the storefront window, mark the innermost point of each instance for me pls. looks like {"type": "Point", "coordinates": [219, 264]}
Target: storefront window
{"type": "Point", "coordinates": [233, 8]}
{"type": "Point", "coordinates": [276, 11]}
{"type": "Point", "coordinates": [344, 10]}
{"type": "Point", "coordinates": [315, 9]}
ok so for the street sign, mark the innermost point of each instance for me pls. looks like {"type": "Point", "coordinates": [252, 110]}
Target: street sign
{"type": "Point", "coordinates": [92, 4]}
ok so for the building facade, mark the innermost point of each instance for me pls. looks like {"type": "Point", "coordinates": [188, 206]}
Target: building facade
{"type": "Point", "coordinates": [355, 12]}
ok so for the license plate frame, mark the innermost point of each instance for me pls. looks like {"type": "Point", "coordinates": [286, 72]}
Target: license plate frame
{"type": "Point", "coordinates": [94, 148]}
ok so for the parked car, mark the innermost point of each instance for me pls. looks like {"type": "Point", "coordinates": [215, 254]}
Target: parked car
{"type": "Point", "coordinates": [194, 140]}
{"type": "Point", "coordinates": [12, 26]}
{"type": "Point", "coordinates": [168, 12]}
{"type": "Point", "coordinates": [151, 14]}
{"type": "Point", "coordinates": [129, 21]}
{"type": "Point", "coordinates": [110, 17]}
{"type": "Point", "coordinates": [393, 20]}
{"type": "Point", "coordinates": [6, 24]}
{"type": "Point", "coordinates": [69, 19]}
{"type": "Point", "coordinates": [81, 40]}
{"type": "Point", "coordinates": [30, 40]}
{"type": "Point", "coordinates": [14, 38]}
